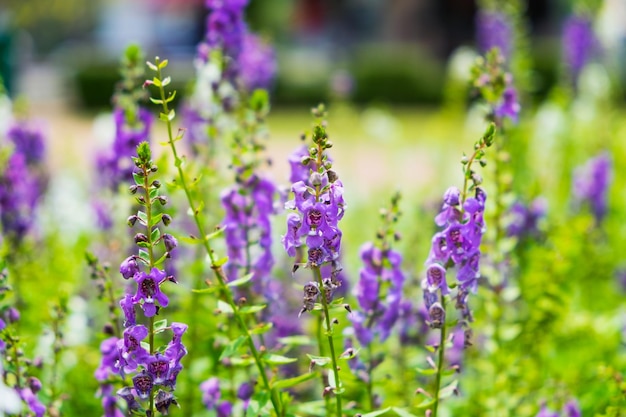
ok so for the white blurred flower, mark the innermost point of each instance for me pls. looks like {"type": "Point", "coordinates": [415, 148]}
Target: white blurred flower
{"type": "Point", "coordinates": [11, 403]}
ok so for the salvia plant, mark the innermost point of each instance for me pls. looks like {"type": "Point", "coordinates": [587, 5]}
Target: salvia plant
{"type": "Point", "coordinates": [263, 299]}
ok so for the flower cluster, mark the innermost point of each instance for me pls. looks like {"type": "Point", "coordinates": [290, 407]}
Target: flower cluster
{"type": "Point", "coordinates": [318, 206]}
{"type": "Point", "coordinates": [19, 194]}
{"type": "Point", "coordinates": [155, 371]}
{"type": "Point", "coordinates": [132, 122]}
{"type": "Point", "coordinates": [26, 386]}
{"type": "Point", "coordinates": [257, 63]}
{"type": "Point", "coordinates": [495, 87]}
{"type": "Point", "coordinates": [225, 28]}
{"type": "Point", "coordinates": [494, 31]}
{"type": "Point", "coordinates": [381, 280]}
{"type": "Point", "coordinates": [458, 245]}
{"type": "Point", "coordinates": [525, 218]}
{"type": "Point", "coordinates": [591, 184]}
{"type": "Point", "coordinates": [579, 44]}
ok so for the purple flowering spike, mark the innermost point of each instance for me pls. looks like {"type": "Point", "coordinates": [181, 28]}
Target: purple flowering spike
{"type": "Point", "coordinates": [579, 44]}
{"type": "Point", "coordinates": [143, 384]}
{"type": "Point", "coordinates": [211, 392]}
{"type": "Point", "coordinates": [299, 172]}
{"type": "Point", "coordinates": [257, 63]}
{"type": "Point", "coordinates": [494, 31]}
{"type": "Point", "coordinates": [591, 184]}
{"type": "Point", "coordinates": [109, 402]}
{"type": "Point", "coordinates": [19, 195]}
{"type": "Point", "coordinates": [149, 290]}
{"type": "Point", "coordinates": [131, 352]}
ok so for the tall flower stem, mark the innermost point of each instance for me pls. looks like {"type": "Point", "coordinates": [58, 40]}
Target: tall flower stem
{"type": "Point", "coordinates": [322, 350]}
{"type": "Point", "coordinates": [215, 266]}
{"type": "Point", "coordinates": [146, 189]}
{"type": "Point", "coordinates": [441, 358]}
{"type": "Point", "coordinates": [331, 343]}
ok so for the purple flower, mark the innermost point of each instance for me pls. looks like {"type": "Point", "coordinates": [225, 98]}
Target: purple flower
{"type": "Point", "coordinates": [27, 395]}
{"type": "Point", "coordinates": [591, 184]}
{"type": "Point", "coordinates": [129, 267]}
{"type": "Point", "coordinates": [546, 412]}
{"type": "Point", "coordinates": [143, 384]}
{"type": "Point", "coordinates": [579, 44]}
{"type": "Point", "coordinates": [509, 106]}
{"type": "Point", "coordinates": [170, 242]}
{"type": "Point", "coordinates": [211, 395]}
{"type": "Point", "coordinates": [248, 231]}
{"type": "Point", "coordinates": [149, 291]}
{"type": "Point", "coordinates": [494, 31]}
{"type": "Point", "coordinates": [163, 401]}
{"type": "Point", "coordinates": [299, 171]}
{"type": "Point", "coordinates": [110, 358]}
{"type": "Point", "coordinates": [130, 351]}
{"type": "Point", "coordinates": [109, 402]}
{"type": "Point", "coordinates": [525, 220]}
{"type": "Point", "coordinates": [571, 409]}
{"type": "Point", "coordinates": [257, 63]}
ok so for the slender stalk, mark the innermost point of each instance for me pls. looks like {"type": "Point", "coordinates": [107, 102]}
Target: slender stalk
{"type": "Point", "coordinates": [146, 189]}
{"type": "Point", "coordinates": [441, 359]}
{"type": "Point", "coordinates": [329, 335]}
{"type": "Point", "coordinates": [370, 380]}
{"type": "Point", "coordinates": [320, 345]}
{"type": "Point", "coordinates": [217, 269]}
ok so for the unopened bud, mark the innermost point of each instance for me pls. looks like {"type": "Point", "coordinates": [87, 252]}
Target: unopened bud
{"type": "Point", "coordinates": [332, 176]}
{"type": "Point", "coordinates": [132, 220]}
{"type": "Point", "coordinates": [166, 219]}
{"type": "Point", "coordinates": [156, 184]}
{"type": "Point", "coordinates": [133, 189]}
{"type": "Point", "coordinates": [140, 237]}
{"type": "Point", "coordinates": [316, 179]}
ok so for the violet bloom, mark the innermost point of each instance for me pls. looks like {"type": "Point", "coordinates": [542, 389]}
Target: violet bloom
{"type": "Point", "coordinates": [257, 63]}
{"type": "Point", "coordinates": [509, 106]}
{"type": "Point", "coordinates": [225, 28]}
{"type": "Point", "coordinates": [31, 400]}
{"type": "Point", "coordinates": [211, 395]}
{"type": "Point", "coordinates": [579, 44]}
{"type": "Point", "coordinates": [525, 219]}
{"type": "Point", "coordinates": [149, 291]}
{"type": "Point", "coordinates": [458, 243]}
{"type": "Point", "coordinates": [19, 195]}
{"type": "Point", "coordinates": [591, 184]}
{"type": "Point", "coordinates": [379, 310]}
{"type": "Point", "coordinates": [28, 140]}
{"type": "Point", "coordinates": [248, 231]}
{"type": "Point", "coordinates": [494, 31]}
{"type": "Point", "coordinates": [546, 412]}
{"type": "Point", "coordinates": [115, 167]}
{"type": "Point", "coordinates": [109, 361]}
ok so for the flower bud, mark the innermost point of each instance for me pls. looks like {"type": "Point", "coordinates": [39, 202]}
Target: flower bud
{"type": "Point", "coordinates": [133, 189]}
{"type": "Point", "coordinates": [170, 242]}
{"type": "Point", "coordinates": [12, 315]}
{"type": "Point", "coordinates": [332, 176]}
{"type": "Point", "coordinates": [140, 237]}
{"type": "Point", "coordinates": [132, 220]}
{"type": "Point", "coordinates": [34, 384]}
{"type": "Point", "coordinates": [162, 199]}
{"type": "Point", "coordinates": [156, 184]}
{"type": "Point", "coordinates": [166, 219]}
{"type": "Point", "coordinates": [315, 179]}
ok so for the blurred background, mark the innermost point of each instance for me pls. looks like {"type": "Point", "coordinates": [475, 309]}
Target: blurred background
{"type": "Point", "coordinates": [392, 51]}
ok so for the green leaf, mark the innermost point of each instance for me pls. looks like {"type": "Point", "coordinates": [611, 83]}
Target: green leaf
{"type": "Point", "coordinates": [426, 403]}
{"type": "Point", "coordinates": [164, 117]}
{"type": "Point", "coordinates": [154, 192]}
{"type": "Point", "coordinates": [220, 262]}
{"type": "Point", "coordinates": [160, 325]}
{"type": "Point", "coordinates": [209, 290]}
{"type": "Point", "coordinates": [166, 81]}
{"type": "Point", "coordinates": [143, 244]}
{"type": "Point", "coordinates": [295, 340]}
{"type": "Point", "coordinates": [252, 309]}
{"type": "Point", "coordinates": [292, 382]}
{"type": "Point", "coordinates": [448, 390]}
{"type": "Point", "coordinates": [138, 178]}
{"type": "Point", "coordinates": [156, 82]}
{"type": "Point", "coordinates": [273, 359]}
{"type": "Point", "coordinates": [156, 100]}
{"type": "Point", "coordinates": [163, 64]}
{"type": "Point", "coordinates": [168, 100]}
{"type": "Point", "coordinates": [243, 362]}
{"type": "Point", "coordinates": [144, 255]}
{"type": "Point", "coordinates": [143, 217]}
{"type": "Point", "coordinates": [215, 234]}
{"type": "Point", "coordinates": [377, 412]}
{"type": "Point", "coordinates": [319, 360]}
{"type": "Point", "coordinates": [240, 281]}
{"type": "Point", "coordinates": [156, 219]}
{"type": "Point", "coordinates": [155, 235]}
{"type": "Point", "coordinates": [232, 347]}
{"type": "Point", "coordinates": [151, 66]}
{"type": "Point", "coordinates": [426, 371]}
{"type": "Point", "coordinates": [171, 115]}
{"type": "Point", "coordinates": [224, 307]}
{"type": "Point", "coordinates": [261, 328]}
{"type": "Point", "coordinates": [402, 412]}
{"type": "Point", "coordinates": [257, 403]}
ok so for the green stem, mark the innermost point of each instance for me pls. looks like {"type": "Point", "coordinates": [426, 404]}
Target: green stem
{"type": "Point", "coordinates": [217, 269]}
{"type": "Point", "coordinates": [320, 345]}
{"type": "Point", "coordinates": [441, 358]}
{"type": "Point", "coordinates": [146, 189]}
{"type": "Point", "coordinates": [329, 335]}
{"type": "Point", "coordinates": [370, 380]}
